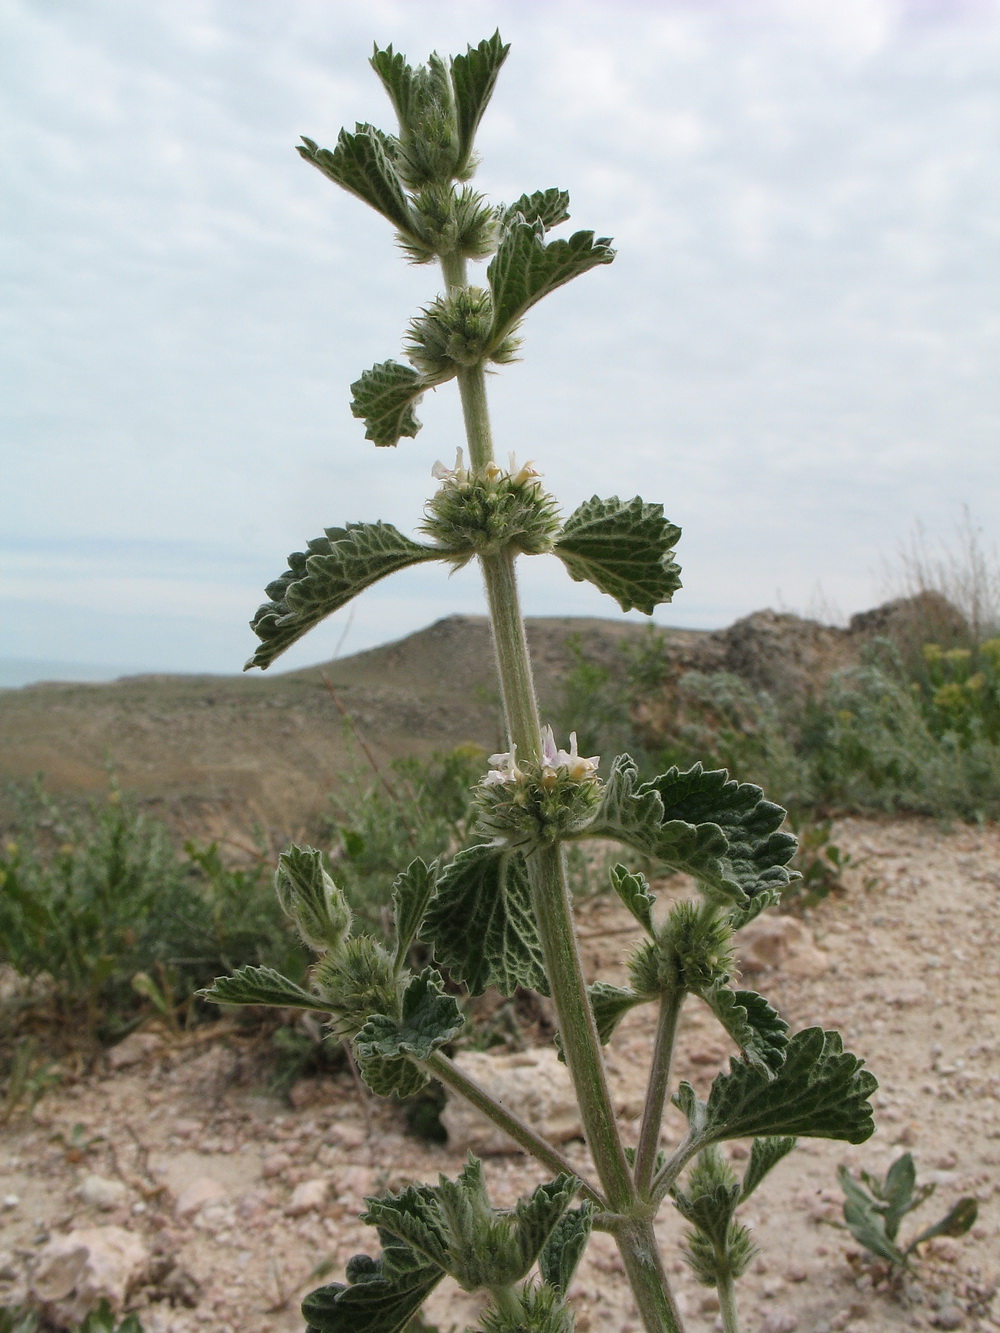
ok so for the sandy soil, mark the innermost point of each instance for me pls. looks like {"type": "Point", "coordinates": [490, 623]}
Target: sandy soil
{"type": "Point", "coordinates": [913, 981]}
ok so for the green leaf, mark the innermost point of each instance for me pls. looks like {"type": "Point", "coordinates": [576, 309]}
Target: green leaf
{"type": "Point", "coordinates": [956, 1223]}
{"type": "Point", "coordinates": [900, 1182]}
{"type": "Point", "coordinates": [362, 164]}
{"type": "Point", "coordinates": [610, 1005]}
{"type": "Point", "coordinates": [758, 1030]}
{"type": "Point", "coordinates": [757, 852]}
{"type": "Point", "coordinates": [473, 78]}
{"type": "Point", "coordinates": [337, 568]}
{"type": "Point", "coordinates": [820, 1091]}
{"type": "Point", "coordinates": [524, 268]}
{"type": "Point", "coordinates": [309, 896]}
{"type": "Point", "coordinates": [400, 81]}
{"type": "Point", "coordinates": [412, 890]}
{"type": "Point", "coordinates": [262, 985]}
{"type": "Point", "coordinates": [393, 1076]}
{"type": "Point", "coordinates": [634, 892]}
{"type": "Point", "coordinates": [482, 924]}
{"type": "Point", "coordinates": [429, 1019]}
{"type": "Point", "coordinates": [539, 1213]}
{"type": "Point", "coordinates": [549, 207]}
{"type": "Point", "coordinates": [866, 1222]}
{"type": "Point", "coordinates": [564, 1248]}
{"type": "Point", "coordinates": [385, 397]}
{"type": "Point", "coordinates": [625, 548]}
{"type": "Point", "coordinates": [634, 814]}
{"type": "Point", "coordinates": [381, 1304]}
{"type": "Point", "coordinates": [742, 915]}
{"type": "Point", "coordinates": [765, 1153]}
{"type": "Point", "coordinates": [412, 1216]}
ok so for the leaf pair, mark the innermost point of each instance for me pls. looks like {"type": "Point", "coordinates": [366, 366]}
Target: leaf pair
{"type": "Point", "coordinates": [525, 269]}
{"type": "Point", "coordinates": [430, 1231]}
{"type": "Point", "coordinates": [623, 548]}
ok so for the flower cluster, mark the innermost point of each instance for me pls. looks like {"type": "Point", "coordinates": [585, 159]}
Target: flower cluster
{"type": "Point", "coordinates": [537, 803]}
{"type": "Point", "coordinates": [571, 762]}
{"type": "Point", "coordinates": [476, 510]}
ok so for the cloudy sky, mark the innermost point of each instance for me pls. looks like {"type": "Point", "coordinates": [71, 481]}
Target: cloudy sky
{"type": "Point", "coordinates": [795, 350]}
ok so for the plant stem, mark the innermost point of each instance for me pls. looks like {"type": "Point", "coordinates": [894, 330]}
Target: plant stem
{"type": "Point", "coordinates": [656, 1092]}
{"type": "Point", "coordinates": [516, 684]}
{"type": "Point", "coordinates": [647, 1277]}
{"type": "Point", "coordinates": [509, 1303]}
{"type": "Point", "coordinates": [554, 913]}
{"type": "Point", "coordinates": [448, 1072]}
{"type": "Point", "coordinates": [727, 1304]}
{"type": "Point", "coordinates": [581, 1045]}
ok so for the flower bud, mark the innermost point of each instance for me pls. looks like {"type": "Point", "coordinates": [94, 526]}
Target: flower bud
{"type": "Point", "coordinates": [309, 896]}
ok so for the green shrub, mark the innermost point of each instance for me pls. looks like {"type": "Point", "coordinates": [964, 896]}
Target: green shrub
{"type": "Point", "coordinates": [419, 808]}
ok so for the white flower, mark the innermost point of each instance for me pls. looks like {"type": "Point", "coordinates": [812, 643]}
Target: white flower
{"type": "Point", "coordinates": [575, 764]}
{"type": "Point", "coordinates": [519, 475]}
{"type": "Point", "coordinates": [504, 770]}
{"type": "Point", "coordinates": [456, 475]}
{"type": "Point", "coordinates": [570, 761]}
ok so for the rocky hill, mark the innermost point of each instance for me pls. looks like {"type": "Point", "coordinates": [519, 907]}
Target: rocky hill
{"type": "Point", "coordinates": [269, 747]}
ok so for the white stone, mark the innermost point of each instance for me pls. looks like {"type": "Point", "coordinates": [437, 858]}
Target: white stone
{"type": "Point", "coordinates": [77, 1271]}
{"type": "Point", "coordinates": [533, 1085]}
{"type": "Point", "coordinates": [99, 1192]}
{"type": "Point", "coordinates": [197, 1194]}
{"type": "Point", "coordinates": [307, 1197]}
{"type": "Point", "coordinates": [781, 942]}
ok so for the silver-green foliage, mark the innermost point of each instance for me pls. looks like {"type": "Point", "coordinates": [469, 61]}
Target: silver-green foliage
{"type": "Point", "coordinates": [497, 912]}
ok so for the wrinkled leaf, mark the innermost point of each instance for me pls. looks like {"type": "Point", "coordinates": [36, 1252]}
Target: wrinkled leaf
{"type": "Point", "coordinates": [819, 1091]}
{"type": "Point", "coordinates": [385, 398]}
{"type": "Point", "coordinates": [429, 1019]}
{"type": "Point", "coordinates": [412, 890]}
{"type": "Point", "coordinates": [336, 569]}
{"type": "Point", "coordinates": [634, 892]}
{"type": "Point", "coordinates": [765, 1153]}
{"type": "Point", "coordinates": [625, 548]}
{"type": "Point", "coordinates": [564, 1248]}
{"type": "Point", "coordinates": [525, 268]}
{"type": "Point", "coordinates": [262, 985]}
{"type": "Point", "coordinates": [309, 896]}
{"type": "Point", "coordinates": [610, 1005]}
{"type": "Point", "coordinates": [473, 78]}
{"type": "Point", "coordinates": [758, 1030]}
{"type": "Point", "coordinates": [482, 924]}
{"type": "Point", "coordinates": [549, 207]}
{"type": "Point", "coordinates": [757, 852]}
{"type": "Point", "coordinates": [383, 1304]}
{"type": "Point", "coordinates": [362, 164]}
{"type": "Point", "coordinates": [539, 1213]}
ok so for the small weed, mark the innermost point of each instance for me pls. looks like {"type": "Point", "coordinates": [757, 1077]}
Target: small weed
{"type": "Point", "coordinates": [874, 1209]}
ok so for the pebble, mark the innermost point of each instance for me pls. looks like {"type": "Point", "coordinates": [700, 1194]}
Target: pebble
{"type": "Point", "coordinates": [949, 1316]}
{"type": "Point", "coordinates": [307, 1197]}
{"type": "Point", "coordinates": [274, 1163]}
{"type": "Point", "coordinates": [195, 1196]}
{"type": "Point", "coordinates": [99, 1192]}
{"type": "Point", "coordinates": [11, 1200]}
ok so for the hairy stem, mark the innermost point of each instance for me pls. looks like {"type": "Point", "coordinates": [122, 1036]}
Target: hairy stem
{"type": "Point", "coordinates": [664, 1179]}
{"type": "Point", "coordinates": [727, 1304]}
{"type": "Point", "coordinates": [508, 1302]}
{"type": "Point", "coordinates": [656, 1092]}
{"type": "Point", "coordinates": [448, 1072]}
{"type": "Point", "coordinates": [647, 1277]}
{"type": "Point", "coordinates": [581, 1045]}
{"type": "Point", "coordinates": [516, 684]}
